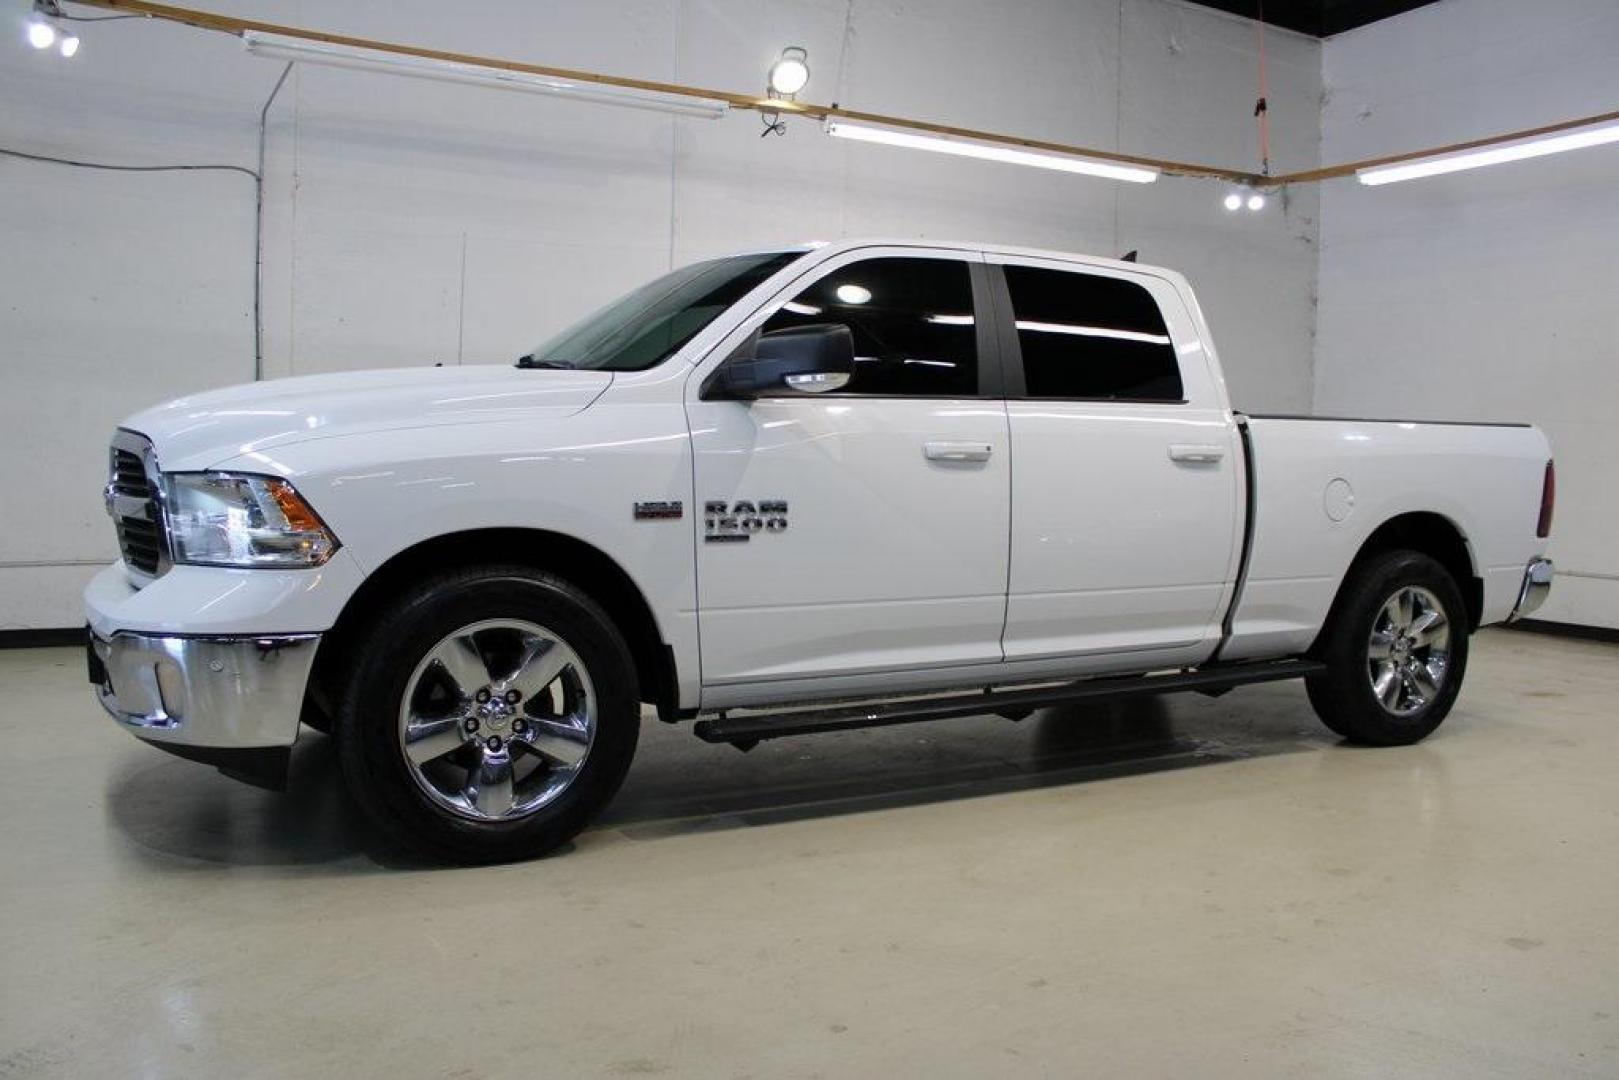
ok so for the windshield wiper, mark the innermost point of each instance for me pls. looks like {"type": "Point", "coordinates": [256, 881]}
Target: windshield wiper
{"type": "Point", "coordinates": [531, 361]}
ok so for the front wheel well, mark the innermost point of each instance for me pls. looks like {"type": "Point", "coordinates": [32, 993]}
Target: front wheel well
{"type": "Point", "coordinates": [586, 566]}
{"type": "Point", "coordinates": [1435, 536]}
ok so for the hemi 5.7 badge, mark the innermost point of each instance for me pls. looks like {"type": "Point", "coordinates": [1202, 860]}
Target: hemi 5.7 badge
{"type": "Point", "coordinates": [727, 522]}
{"type": "Point", "coordinates": [653, 511]}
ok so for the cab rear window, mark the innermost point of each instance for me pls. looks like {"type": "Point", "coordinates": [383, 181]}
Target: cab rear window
{"type": "Point", "coordinates": [1087, 336]}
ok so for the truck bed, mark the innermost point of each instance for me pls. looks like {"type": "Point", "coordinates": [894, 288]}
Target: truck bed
{"type": "Point", "coordinates": [1320, 486]}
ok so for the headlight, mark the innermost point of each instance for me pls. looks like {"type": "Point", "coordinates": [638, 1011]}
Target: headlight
{"type": "Point", "coordinates": [227, 519]}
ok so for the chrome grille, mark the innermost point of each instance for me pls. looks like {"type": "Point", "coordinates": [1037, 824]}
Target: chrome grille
{"type": "Point", "coordinates": [133, 503]}
{"type": "Point", "coordinates": [129, 474]}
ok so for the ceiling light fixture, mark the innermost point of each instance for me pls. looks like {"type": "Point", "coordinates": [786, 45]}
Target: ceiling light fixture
{"type": "Point", "coordinates": [1521, 150]}
{"type": "Point", "coordinates": [41, 34]}
{"type": "Point", "coordinates": [789, 73]}
{"type": "Point", "coordinates": [965, 147]}
{"type": "Point", "coordinates": [282, 47]}
{"type": "Point", "coordinates": [1236, 200]}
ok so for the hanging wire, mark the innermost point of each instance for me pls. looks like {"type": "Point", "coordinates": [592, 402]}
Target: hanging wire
{"type": "Point", "coordinates": [8, 152]}
{"type": "Point", "coordinates": [1262, 106]}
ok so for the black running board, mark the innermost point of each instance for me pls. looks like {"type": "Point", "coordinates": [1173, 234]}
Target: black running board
{"type": "Point", "coordinates": [746, 731]}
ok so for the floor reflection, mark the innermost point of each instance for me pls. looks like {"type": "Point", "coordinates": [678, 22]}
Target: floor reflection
{"type": "Point", "coordinates": [682, 786]}
{"type": "Point", "coordinates": [176, 810]}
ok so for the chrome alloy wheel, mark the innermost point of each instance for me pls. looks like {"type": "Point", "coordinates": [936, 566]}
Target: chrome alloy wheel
{"type": "Point", "coordinates": [1408, 654]}
{"type": "Point", "coordinates": [497, 719]}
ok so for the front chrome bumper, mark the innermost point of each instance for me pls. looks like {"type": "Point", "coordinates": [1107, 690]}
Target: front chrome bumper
{"type": "Point", "coordinates": [218, 693]}
{"type": "Point", "coordinates": [1537, 583]}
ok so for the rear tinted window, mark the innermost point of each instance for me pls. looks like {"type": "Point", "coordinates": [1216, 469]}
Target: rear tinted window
{"type": "Point", "coordinates": [1087, 336]}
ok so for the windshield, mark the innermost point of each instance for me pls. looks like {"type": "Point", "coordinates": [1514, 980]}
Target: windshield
{"type": "Point", "coordinates": [646, 326]}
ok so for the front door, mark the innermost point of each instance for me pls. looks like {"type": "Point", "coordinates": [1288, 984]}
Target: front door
{"type": "Point", "coordinates": [862, 531]}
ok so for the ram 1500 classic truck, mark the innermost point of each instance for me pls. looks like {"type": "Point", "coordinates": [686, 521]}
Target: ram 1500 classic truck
{"type": "Point", "coordinates": [783, 492]}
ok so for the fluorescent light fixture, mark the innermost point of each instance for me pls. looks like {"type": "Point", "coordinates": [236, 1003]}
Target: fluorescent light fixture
{"type": "Point", "coordinates": [951, 320]}
{"type": "Point", "coordinates": [963, 147]}
{"type": "Point", "coordinates": [283, 47]}
{"type": "Point", "coordinates": [800, 309]}
{"type": "Point", "coordinates": [1522, 149]}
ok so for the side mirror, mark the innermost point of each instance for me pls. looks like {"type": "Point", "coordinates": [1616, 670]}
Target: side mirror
{"type": "Point", "coordinates": [798, 360]}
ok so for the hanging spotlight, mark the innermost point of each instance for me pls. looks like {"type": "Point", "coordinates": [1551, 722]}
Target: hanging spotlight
{"type": "Point", "coordinates": [789, 73]}
{"type": "Point", "coordinates": [41, 34]}
{"type": "Point", "coordinates": [1256, 201]}
{"type": "Point", "coordinates": [44, 29]}
{"type": "Point", "coordinates": [1233, 201]}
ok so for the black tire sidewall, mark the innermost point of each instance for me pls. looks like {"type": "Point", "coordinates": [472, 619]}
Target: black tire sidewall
{"type": "Point", "coordinates": [1343, 697]}
{"type": "Point", "coordinates": [374, 764]}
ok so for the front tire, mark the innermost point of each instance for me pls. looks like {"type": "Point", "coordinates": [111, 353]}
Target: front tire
{"type": "Point", "coordinates": [491, 715]}
{"type": "Point", "coordinates": [1396, 650]}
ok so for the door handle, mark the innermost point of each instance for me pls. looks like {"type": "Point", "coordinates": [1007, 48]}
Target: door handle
{"type": "Point", "coordinates": [1199, 453]}
{"type": "Point", "coordinates": [957, 451]}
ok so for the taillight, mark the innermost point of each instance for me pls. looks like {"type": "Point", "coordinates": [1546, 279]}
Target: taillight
{"type": "Point", "coordinates": [1548, 499]}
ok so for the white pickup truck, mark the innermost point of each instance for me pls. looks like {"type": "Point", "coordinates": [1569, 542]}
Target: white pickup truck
{"type": "Point", "coordinates": [783, 492]}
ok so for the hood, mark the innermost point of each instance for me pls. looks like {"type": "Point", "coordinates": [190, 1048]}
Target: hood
{"type": "Point", "coordinates": [203, 430]}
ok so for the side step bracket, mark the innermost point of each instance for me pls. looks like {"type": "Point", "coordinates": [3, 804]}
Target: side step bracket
{"type": "Point", "coordinates": [747, 730]}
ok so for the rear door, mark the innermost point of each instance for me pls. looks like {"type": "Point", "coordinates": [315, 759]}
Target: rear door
{"type": "Point", "coordinates": [861, 531]}
{"type": "Point", "coordinates": [1126, 468]}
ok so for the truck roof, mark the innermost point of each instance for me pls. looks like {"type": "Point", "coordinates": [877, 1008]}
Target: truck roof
{"type": "Point", "coordinates": [854, 242]}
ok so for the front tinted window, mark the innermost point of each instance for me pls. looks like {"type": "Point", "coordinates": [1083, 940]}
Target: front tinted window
{"type": "Point", "coordinates": [912, 321]}
{"type": "Point", "coordinates": [1088, 336]}
{"type": "Point", "coordinates": [646, 326]}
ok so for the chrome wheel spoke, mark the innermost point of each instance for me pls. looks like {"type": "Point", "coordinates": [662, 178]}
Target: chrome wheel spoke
{"type": "Point", "coordinates": [1387, 685]}
{"type": "Point", "coordinates": [1422, 677]}
{"type": "Point", "coordinates": [489, 785]}
{"type": "Point", "coordinates": [1382, 643]}
{"type": "Point", "coordinates": [1398, 609]}
{"type": "Point", "coordinates": [428, 740]}
{"type": "Point", "coordinates": [1430, 627]}
{"type": "Point", "coordinates": [543, 660]}
{"type": "Point", "coordinates": [461, 660]}
{"type": "Point", "coordinates": [560, 741]}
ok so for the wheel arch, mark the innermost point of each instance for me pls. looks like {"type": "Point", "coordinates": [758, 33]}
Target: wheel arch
{"type": "Point", "coordinates": [1432, 534]}
{"type": "Point", "coordinates": [583, 564]}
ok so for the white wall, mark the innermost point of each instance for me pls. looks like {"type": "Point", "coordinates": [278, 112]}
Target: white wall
{"type": "Point", "coordinates": [411, 222]}
{"type": "Point", "coordinates": [1488, 294]}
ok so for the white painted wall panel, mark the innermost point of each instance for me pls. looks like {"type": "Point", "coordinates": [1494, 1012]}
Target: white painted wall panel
{"type": "Point", "coordinates": [409, 222]}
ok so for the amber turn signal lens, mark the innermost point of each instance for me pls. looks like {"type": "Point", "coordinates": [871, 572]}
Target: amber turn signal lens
{"type": "Point", "coordinates": [293, 507]}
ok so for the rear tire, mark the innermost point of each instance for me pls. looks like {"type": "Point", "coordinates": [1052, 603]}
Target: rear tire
{"type": "Point", "coordinates": [491, 714]}
{"type": "Point", "coordinates": [1395, 647]}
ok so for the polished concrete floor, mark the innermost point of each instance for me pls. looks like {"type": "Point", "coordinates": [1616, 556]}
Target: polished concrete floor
{"type": "Point", "coordinates": [1188, 887]}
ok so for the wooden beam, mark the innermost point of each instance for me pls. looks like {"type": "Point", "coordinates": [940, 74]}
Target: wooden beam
{"type": "Point", "coordinates": [1349, 168]}
{"type": "Point", "coordinates": [206, 20]}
